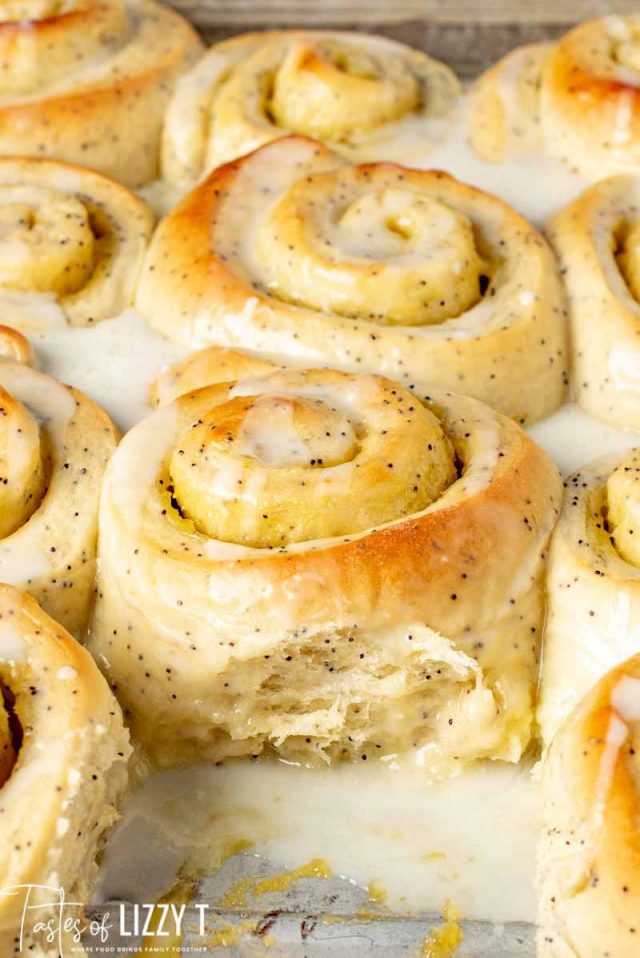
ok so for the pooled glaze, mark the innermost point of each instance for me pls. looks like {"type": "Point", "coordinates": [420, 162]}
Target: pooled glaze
{"type": "Point", "coordinates": [371, 825]}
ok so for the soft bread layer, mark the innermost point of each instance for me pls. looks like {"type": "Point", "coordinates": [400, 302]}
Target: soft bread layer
{"type": "Point", "coordinates": [346, 89]}
{"type": "Point", "coordinates": [588, 874]}
{"type": "Point", "coordinates": [69, 771]}
{"type": "Point", "coordinates": [596, 240]}
{"type": "Point", "coordinates": [68, 233]}
{"type": "Point", "coordinates": [593, 590]}
{"type": "Point", "coordinates": [398, 638]}
{"type": "Point", "coordinates": [90, 84]}
{"type": "Point", "coordinates": [54, 447]}
{"type": "Point", "coordinates": [378, 268]}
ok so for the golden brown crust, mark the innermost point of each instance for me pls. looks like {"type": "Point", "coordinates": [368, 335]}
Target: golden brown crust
{"type": "Point", "coordinates": [591, 98]}
{"type": "Point", "coordinates": [577, 99]}
{"type": "Point", "coordinates": [589, 855]}
{"type": "Point", "coordinates": [467, 569]}
{"type": "Point", "coordinates": [108, 114]}
{"type": "Point", "coordinates": [200, 286]}
{"type": "Point", "coordinates": [13, 345]}
{"type": "Point", "coordinates": [215, 364]}
{"type": "Point", "coordinates": [62, 791]}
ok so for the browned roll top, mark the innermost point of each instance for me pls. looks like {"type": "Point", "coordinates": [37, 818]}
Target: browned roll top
{"type": "Point", "coordinates": [88, 81]}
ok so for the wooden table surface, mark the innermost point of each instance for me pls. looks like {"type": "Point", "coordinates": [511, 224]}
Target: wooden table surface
{"type": "Point", "coordinates": [466, 33]}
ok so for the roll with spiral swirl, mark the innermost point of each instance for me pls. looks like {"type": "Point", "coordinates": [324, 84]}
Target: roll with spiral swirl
{"type": "Point", "coordinates": [292, 252]}
{"type": "Point", "coordinates": [69, 236]}
{"type": "Point", "coordinates": [577, 99]}
{"type": "Point", "coordinates": [588, 877]}
{"type": "Point", "coordinates": [318, 564]}
{"type": "Point", "coordinates": [63, 754]}
{"type": "Point", "coordinates": [54, 446]}
{"type": "Point", "coordinates": [593, 584]}
{"type": "Point", "coordinates": [591, 97]}
{"type": "Point", "coordinates": [504, 115]}
{"type": "Point", "coordinates": [597, 239]}
{"type": "Point", "coordinates": [347, 89]}
{"type": "Point", "coordinates": [88, 81]}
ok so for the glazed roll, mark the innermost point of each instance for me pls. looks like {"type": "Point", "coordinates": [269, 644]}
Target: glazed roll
{"type": "Point", "coordinates": [318, 565]}
{"type": "Point", "coordinates": [88, 81]}
{"type": "Point", "coordinates": [597, 240]}
{"type": "Point", "coordinates": [54, 446]}
{"type": "Point", "coordinates": [577, 99]}
{"type": "Point", "coordinates": [504, 109]}
{"type": "Point", "coordinates": [294, 253]}
{"type": "Point", "coordinates": [68, 236]}
{"type": "Point", "coordinates": [590, 97]}
{"type": "Point", "coordinates": [593, 584]}
{"type": "Point", "coordinates": [63, 754]}
{"type": "Point", "coordinates": [347, 89]}
{"type": "Point", "coordinates": [588, 877]}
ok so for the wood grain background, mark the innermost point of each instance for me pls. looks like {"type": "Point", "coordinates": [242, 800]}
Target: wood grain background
{"type": "Point", "coordinates": [468, 34]}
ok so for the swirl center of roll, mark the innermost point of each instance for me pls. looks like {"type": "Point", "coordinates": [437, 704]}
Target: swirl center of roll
{"type": "Point", "coordinates": [280, 431]}
{"type": "Point", "coordinates": [22, 464]}
{"type": "Point", "coordinates": [623, 508]}
{"type": "Point", "coordinates": [330, 90]}
{"type": "Point", "coordinates": [624, 37]}
{"type": "Point", "coordinates": [364, 245]}
{"type": "Point", "coordinates": [46, 241]}
{"type": "Point", "coordinates": [288, 462]}
{"type": "Point", "coordinates": [626, 242]}
{"type": "Point", "coordinates": [10, 733]}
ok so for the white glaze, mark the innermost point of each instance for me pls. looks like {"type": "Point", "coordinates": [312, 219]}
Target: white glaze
{"type": "Point", "coordinates": [572, 438]}
{"type": "Point", "coordinates": [536, 186]}
{"type": "Point", "coordinates": [424, 845]}
{"type": "Point", "coordinates": [66, 672]}
{"type": "Point", "coordinates": [617, 734]}
{"type": "Point", "coordinates": [12, 645]}
{"type": "Point", "coordinates": [114, 362]}
{"type": "Point", "coordinates": [625, 699]}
